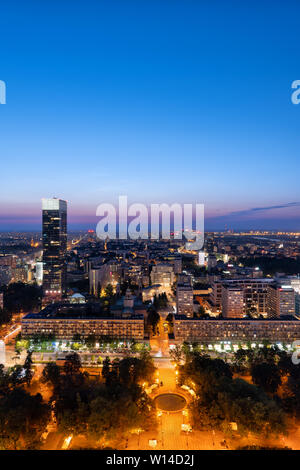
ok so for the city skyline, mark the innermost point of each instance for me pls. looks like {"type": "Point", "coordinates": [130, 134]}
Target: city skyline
{"type": "Point", "coordinates": [149, 229]}
{"type": "Point", "coordinates": [236, 220]}
{"type": "Point", "coordinates": [200, 110]}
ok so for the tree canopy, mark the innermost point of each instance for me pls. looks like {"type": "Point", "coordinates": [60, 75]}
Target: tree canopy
{"type": "Point", "coordinates": [23, 416]}
{"type": "Point", "coordinates": [20, 297]}
{"type": "Point", "coordinates": [221, 399]}
{"type": "Point", "coordinates": [106, 409]}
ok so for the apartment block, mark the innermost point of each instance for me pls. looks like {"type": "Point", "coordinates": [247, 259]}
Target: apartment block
{"type": "Point", "coordinates": [202, 330]}
{"type": "Point", "coordinates": [184, 296]}
{"type": "Point", "coordinates": [232, 301]}
{"type": "Point", "coordinates": [281, 300]}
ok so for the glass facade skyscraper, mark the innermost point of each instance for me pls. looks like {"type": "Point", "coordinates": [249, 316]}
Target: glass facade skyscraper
{"type": "Point", "coordinates": [54, 248]}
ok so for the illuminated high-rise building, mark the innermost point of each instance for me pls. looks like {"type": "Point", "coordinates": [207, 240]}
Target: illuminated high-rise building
{"type": "Point", "coordinates": [281, 300]}
{"type": "Point", "coordinates": [232, 301]}
{"type": "Point", "coordinates": [39, 272]}
{"type": "Point", "coordinates": [201, 258]}
{"type": "Point", "coordinates": [54, 248]}
{"type": "Point", "coordinates": [184, 296]}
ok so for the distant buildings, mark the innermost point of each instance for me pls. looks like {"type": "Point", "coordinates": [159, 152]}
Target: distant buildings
{"type": "Point", "coordinates": [101, 276]}
{"type": "Point", "coordinates": [163, 274]}
{"type": "Point", "coordinates": [255, 295]}
{"type": "Point", "coordinates": [16, 268]}
{"type": "Point", "coordinates": [237, 298]}
{"type": "Point", "coordinates": [54, 248]}
{"type": "Point", "coordinates": [39, 272]}
{"type": "Point", "coordinates": [253, 308]}
{"type": "Point", "coordinates": [7, 264]}
{"type": "Point", "coordinates": [184, 296]}
{"type": "Point", "coordinates": [211, 262]}
{"type": "Point", "coordinates": [201, 258]}
{"type": "Point", "coordinates": [20, 274]}
{"type": "Point", "coordinates": [8, 260]}
{"type": "Point", "coordinates": [5, 274]}
{"type": "Point", "coordinates": [175, 261]}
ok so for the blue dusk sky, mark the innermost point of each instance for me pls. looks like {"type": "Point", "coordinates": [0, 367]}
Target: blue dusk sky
{"type": "Point", "coordinates": [163, 101]}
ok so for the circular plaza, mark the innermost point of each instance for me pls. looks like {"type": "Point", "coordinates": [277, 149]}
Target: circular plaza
{"type": "Point", "coordinates": [170, 402]}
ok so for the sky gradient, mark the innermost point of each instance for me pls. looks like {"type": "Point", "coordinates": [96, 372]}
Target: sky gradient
{"type": "Point", "coordinates": [162, 101]}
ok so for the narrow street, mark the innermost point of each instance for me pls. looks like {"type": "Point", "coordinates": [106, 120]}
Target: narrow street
{"type": "Point", "coordinates": [160, 343]}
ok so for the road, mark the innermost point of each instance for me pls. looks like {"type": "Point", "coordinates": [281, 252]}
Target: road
{"type": "Point", "coordinates": [160, 343]}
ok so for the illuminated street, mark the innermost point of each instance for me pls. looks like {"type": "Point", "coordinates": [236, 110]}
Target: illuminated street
{"type": "Point", "coordinates": [169, 435]}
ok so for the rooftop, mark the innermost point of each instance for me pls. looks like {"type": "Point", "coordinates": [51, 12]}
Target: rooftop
{"type": "Point", "coordinates": [282, 318]}
{"type": "Point", "coordinates": [69, 311]}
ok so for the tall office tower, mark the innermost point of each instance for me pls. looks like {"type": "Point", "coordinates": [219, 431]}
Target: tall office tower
{"type": "Point", "coordinates": [54, 249]}
{"type": "Point", "coordinates": [184, 296]}
{"type": "Point", "coordinates": [232, 301]}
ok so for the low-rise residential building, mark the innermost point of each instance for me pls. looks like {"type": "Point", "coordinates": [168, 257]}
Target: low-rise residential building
{"type": "Point", "coordinates": [66, 320]}
{"type": "Point", "coordinates": [203, 330]}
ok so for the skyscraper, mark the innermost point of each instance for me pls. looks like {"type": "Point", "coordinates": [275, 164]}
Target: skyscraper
{"type": "Point", "coordinates": [54, 248]}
